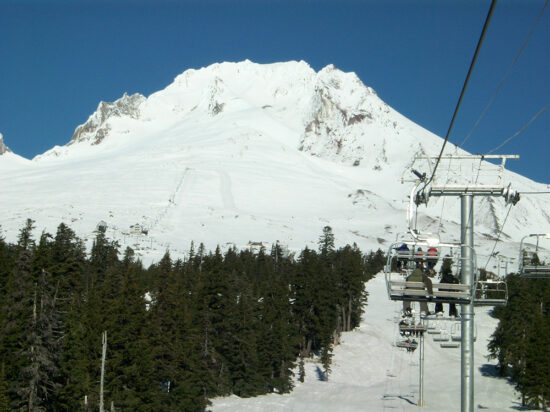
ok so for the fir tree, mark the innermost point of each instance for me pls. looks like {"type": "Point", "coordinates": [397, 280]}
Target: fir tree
{"type": "Point", "coordinates": [18, 310]}
{"type": "Point", "coordinates": [4, 400]}
{"type": "Point", "coordinates": [42, 351]}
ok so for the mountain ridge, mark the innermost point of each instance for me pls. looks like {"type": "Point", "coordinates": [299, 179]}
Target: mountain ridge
{"type": "Point", "coordinates": [235, 152]}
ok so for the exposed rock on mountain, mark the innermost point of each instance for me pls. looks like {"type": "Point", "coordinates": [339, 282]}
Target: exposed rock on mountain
{"type": "Point", "coordinates": [3, 147]}
{"type": "Point", "coordinates": [98, 126]}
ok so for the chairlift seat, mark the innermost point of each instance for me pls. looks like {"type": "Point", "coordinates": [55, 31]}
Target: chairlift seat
{"type": "Point", "coordinates": [407, 345]}
{"type": "Point", "coordinates": [536, 271]}
{"type": "Point", "coordinates": [491, 293]}
{"type": "Point", "coordinates": [442, 292]}
{"type": "Point", "coordinates": [449, 345]}
{"type": "Point", "coordinates": [412, 328]}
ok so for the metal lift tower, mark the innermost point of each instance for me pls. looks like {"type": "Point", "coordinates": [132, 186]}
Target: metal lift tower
{"type": "Point", "coordinates": [467, 192]}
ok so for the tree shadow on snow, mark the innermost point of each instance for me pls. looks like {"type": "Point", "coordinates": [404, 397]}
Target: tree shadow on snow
{"type": "Point", "coordinates": [489, 370]}
{"type": "Point", "coordinates": [388, 396]}
{"type": "Point", "coordinates": [320, 374]}
{"type": "Point", "coordinates": [518, 407]}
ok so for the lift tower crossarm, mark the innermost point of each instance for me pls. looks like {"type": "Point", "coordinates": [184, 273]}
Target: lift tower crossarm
{"type": "Point", "coordinates": [474, 189]}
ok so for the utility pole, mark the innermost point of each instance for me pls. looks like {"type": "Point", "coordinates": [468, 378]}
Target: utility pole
{"type": "Point", "coordinates": [104, 352]}
{"type": "Point", "coordinates": [467, 311]}
{"type": "Point", "coordinates": [421, 402]}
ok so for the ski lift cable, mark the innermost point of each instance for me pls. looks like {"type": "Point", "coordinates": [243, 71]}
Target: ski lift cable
{"type": "Point", "coordinates": [508, 71]}
{"type": "Point", "coordinates": [443, 202]}
{"type": "Point", "coordinates": [505, 75]}
{"type": "Point", "coordinates": [464, 86]}
{"type": "Point", "coordinates": [498, 237]}
{"type": "Point", "coordinates": [522, 129]}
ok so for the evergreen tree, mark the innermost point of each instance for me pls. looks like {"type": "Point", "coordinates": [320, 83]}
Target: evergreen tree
{"type": "Point", "coordinates": [40, 374]}
{"type": "Point", "coordinates": [4, 399]}
{"type": "Point", "coordinates": [524, 325]}
{"type": "Point", "coordinates": [326, 241]}
{"type": "Point", "coordinates": [25, 240]}
{"type": "Point", "coordinates": [18, 311]}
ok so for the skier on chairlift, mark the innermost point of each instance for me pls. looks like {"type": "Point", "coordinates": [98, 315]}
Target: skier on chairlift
{"type": "Point", "coordinates": [431, 258]}
{"type": "Point", "coordinates": [402, 252]}
{"type": "Point", "coordinates": [418, 275]}
{"type": "Point", "coordinates": [447, 277]}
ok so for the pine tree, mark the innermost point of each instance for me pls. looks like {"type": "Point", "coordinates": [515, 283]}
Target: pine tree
{"type": "Point", "coordinates": [40, 374]}
{"type": "Point", "coordinates": [25, 240]}
{"type": "Point", "coordinates": [18, 306]}
{"type": "Point", "coordinates": [516, 343]}
{"type": "Point", "coordinates": [4, 399]}
{"type": "Point", "coordinates": [326, 241]}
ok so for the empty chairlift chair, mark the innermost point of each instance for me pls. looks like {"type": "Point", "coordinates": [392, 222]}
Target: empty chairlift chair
{"type": "Point", "coordinates": [491, 293]}
{"type": "Point", "coordinates": [534, 260]}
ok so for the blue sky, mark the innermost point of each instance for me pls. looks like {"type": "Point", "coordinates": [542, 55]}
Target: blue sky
{"type": "Point", "coordinates": [59, 59]}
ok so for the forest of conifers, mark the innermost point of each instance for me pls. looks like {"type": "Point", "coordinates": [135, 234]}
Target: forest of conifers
{"type": "Point", "coordinates": [521, 342]}
{"type": "Point", "coordinates": [178, 332]}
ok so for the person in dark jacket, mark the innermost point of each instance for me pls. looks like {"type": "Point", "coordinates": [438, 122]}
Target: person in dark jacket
{"type": "Point", "coordinates": [447, 277]}
{"type": "Point", "coordinates": [402, 256]}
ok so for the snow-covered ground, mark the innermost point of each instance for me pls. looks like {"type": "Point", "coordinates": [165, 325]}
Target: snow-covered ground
{"type": "Point", "coordinates": [370, 374]}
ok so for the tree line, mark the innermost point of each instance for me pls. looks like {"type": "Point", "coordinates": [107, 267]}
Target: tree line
{"type": "Point", "coordinates": [521, 341]}
{"type": "Point", "coordinates": [180, 332]}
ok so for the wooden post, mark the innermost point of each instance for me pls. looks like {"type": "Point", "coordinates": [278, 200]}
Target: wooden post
{"type": "Point", "coordinates": [104, 352]}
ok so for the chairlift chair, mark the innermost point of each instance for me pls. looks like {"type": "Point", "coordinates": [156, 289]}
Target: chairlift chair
{"type": "Point", "coordinates": [491, 293]}
{"type": "Point", "coordinates": [534, 262]}
{"type": "Point", "coordinates": [408, 344]}
{"type": "Point", "coordinates": [400, 289]}
{"type": "Point", "coordinates": [412, 329]}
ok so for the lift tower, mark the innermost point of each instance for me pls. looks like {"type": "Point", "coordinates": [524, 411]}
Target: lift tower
{"type": "Point", "coordinates": [467, 192]}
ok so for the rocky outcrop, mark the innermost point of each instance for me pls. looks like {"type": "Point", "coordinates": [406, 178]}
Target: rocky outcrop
{"type": "Point", "coordinates": [3, 147]}
{"type": "Point", "coordinates": [97, 127]}
{"type": "Point", "coordinates": [341, 109]}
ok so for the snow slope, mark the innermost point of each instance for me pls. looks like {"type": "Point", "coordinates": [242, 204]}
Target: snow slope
{"type": "Point", "coordinates": [370, 374]}
{"type": "Point", "coordinates": [240, 152]}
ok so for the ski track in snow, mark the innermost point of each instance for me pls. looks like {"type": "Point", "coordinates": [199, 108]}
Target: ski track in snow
{"type": "Point", "coordinates": [226, 192]}
{"type": "Point", "coordinates": [370, 374]}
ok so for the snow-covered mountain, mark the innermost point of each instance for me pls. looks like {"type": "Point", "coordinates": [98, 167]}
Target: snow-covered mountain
{"type": "Point", "coordinates": [242, 152]}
